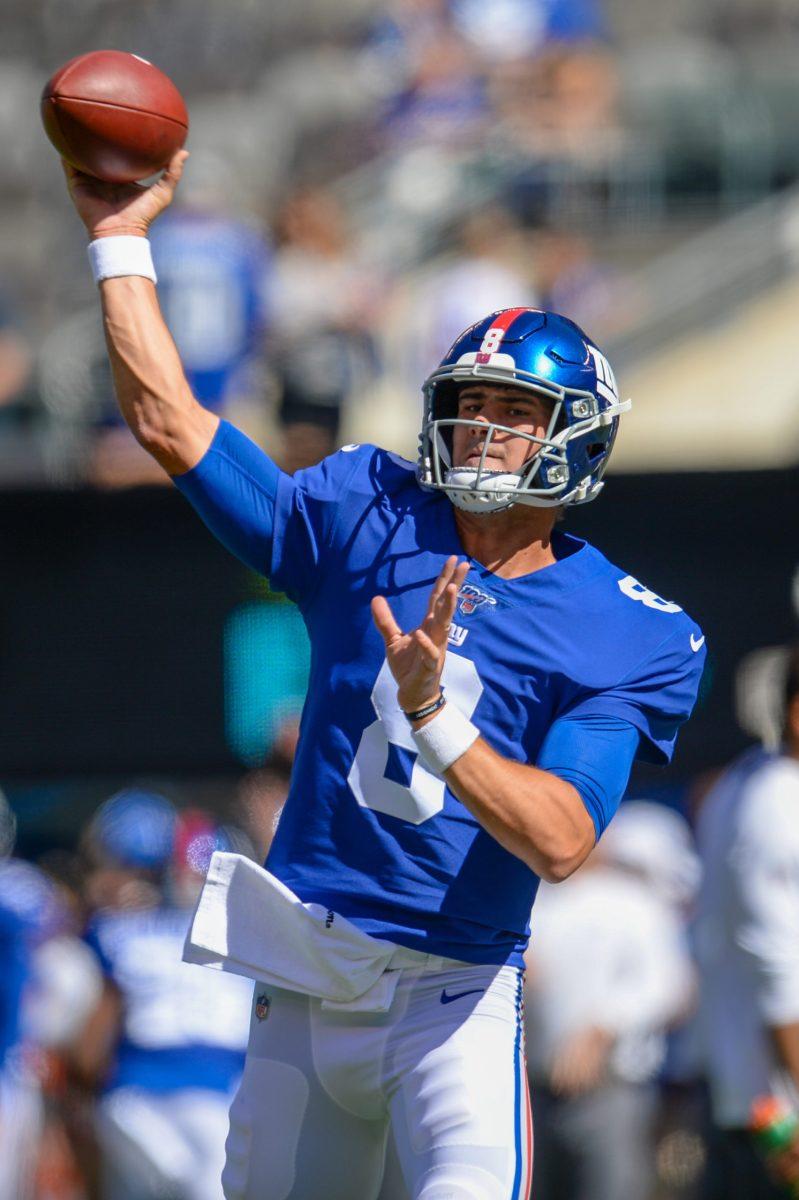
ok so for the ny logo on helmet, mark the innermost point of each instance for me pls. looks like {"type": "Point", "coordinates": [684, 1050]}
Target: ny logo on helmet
{"type": "Point", "coordinates": [605, 379]}
{"type": "Point", "coordinates": [470, 598]}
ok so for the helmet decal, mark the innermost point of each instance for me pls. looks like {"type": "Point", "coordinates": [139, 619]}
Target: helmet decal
{"type": "Point", "coordinates": [494, 335]}
{"type": "Point", "coordinates": [605, 379]}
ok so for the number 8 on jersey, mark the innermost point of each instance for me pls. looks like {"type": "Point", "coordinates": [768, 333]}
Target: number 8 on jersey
{"type": "Point", "coordinates": [387, 774]}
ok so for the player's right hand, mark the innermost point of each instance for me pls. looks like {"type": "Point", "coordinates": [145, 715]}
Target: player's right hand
{"type": "Point", "coordinates": [109, 209]}
{"type": "Point", "coordinates": [416, 658]}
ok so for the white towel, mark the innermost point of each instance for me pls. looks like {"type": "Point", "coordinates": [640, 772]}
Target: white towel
{"type": "Point", "coordinates": [249, 923]}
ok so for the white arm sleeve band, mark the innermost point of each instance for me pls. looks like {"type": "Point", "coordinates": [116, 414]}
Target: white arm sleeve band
{"type": "Point", "coordinates": [111, 257]}
{"type": "Point", "coordinates": [444, 739]}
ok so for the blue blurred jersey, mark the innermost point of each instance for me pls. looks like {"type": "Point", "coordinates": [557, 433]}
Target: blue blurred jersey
{"type": "Point", "coordinates": [530, 24]}
{"type": "Point", "coordinates": [367, 829]}
{"type": "Point", "coordinates": [182, 1026]}
{"type": "Point", "coordinates": [212, 276]}
{"type": "Point", "coordinates": [15, 955]}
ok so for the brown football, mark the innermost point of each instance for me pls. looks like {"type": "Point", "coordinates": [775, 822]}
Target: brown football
{"type": "Point", "coordinates": [114, 115]}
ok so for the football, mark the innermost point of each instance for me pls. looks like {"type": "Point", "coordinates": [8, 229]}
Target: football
{"type": "Point", "coordinates": [114, 115]}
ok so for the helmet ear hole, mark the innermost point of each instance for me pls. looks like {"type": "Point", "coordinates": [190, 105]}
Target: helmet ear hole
{"type": "Point", "coordinates": [443, 406]}
{"type": "Point", "coordinates": [445, 400]}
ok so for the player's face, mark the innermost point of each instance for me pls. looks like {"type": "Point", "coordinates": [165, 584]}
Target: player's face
{"type": "Point", "coordinates": [499, 404]}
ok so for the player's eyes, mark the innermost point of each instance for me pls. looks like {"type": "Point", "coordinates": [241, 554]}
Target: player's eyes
{"type": "Point", "coordinates": [468, 407]}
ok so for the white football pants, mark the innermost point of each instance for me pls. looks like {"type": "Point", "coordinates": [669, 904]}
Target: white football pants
{"type": "Point", "coordinates": [443, 1068]}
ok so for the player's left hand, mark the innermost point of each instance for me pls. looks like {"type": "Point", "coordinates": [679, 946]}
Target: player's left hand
{"type": "Point", "coordinates": [417, 658]}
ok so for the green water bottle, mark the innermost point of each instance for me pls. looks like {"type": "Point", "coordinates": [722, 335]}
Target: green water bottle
{"type": "Point", "coordinates": [774, 1127]}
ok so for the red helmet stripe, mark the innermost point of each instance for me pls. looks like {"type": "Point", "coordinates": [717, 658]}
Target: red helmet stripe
{"type": "Point", "coordinates": [506, 318]}
{"type": "Point", "coordinates": [494, 334]}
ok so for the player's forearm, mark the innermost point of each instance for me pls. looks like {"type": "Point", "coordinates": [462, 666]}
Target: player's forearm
{"type": "Point", "coordinates": [152, 390]}
{"type": "Point", "coordinates": [532, 813]}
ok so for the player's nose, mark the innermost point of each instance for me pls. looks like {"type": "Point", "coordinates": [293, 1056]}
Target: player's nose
{"type": "Point", "coordinates": [477, 420]}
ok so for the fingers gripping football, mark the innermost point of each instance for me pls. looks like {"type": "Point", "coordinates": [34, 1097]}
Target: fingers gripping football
{"type": "Point", "coordinates": [108, 209]}
{"type": "Point", "coordinates": [416, 658]}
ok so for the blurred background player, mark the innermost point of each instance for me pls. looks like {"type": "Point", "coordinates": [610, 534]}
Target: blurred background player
{"type": "Point", "coordinates": [165, 1044]}
{"type": "Point", "coordinates": [48, 985]}
{"type": "Point", "coordinates": [608, 973]}
{"type": "Point", "coordinates": [323, 352]}
{"type": "Point", "coordinates": [20, 1111]}
{"type": "Point", "coordinates": [747, 940]}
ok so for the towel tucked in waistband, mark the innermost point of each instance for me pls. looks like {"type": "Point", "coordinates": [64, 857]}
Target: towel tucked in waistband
{"type": "Point", "coordinates": [249, 923]}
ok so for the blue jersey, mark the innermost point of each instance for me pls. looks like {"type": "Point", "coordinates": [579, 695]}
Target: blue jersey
{"type": "Point", "coordinates": [367, 829]}
{"type": "Point", "coordinates": [182, 1026]}
{"type": "Point", "coordinates": [15, 955]}
{"type": "Point", "coordinates": [212, 276]}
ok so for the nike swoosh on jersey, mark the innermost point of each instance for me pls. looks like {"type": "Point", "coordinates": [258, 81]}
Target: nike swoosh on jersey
{"type": "Point", "coordinates": [445, 999]}
{"type": "Point", "coordinates": [697, 643]}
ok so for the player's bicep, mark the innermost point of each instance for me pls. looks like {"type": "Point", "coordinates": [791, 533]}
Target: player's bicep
{"type": "Point", "coordinates": [595, 755]}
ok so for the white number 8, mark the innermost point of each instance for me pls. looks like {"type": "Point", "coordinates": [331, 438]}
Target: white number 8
{"type": "Point", "coordinates": [423, 796]}
{"type": "Point", "coordinates": [636, 591]}
{"type": "Point", "coordinates": [492, 340]}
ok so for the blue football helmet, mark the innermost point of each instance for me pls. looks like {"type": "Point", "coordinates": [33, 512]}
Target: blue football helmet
{"type": "Point", "coordinates": [551, 356]}
{"type": "Point", "coordinates": [136, 828]}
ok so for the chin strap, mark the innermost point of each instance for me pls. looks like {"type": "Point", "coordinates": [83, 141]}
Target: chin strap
{"type": "Point", "coordinates": [485, 496]}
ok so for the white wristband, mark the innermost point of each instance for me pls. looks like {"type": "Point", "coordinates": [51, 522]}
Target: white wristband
{"type": "Point", "coordinates": [444, 739]}
{"type": "Point", "coordinates": [111, 257]}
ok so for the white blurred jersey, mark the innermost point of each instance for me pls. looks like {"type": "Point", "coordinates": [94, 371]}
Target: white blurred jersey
{"type": "Point", "coordinates": [605, 951]}
{"type": "Point", "coordinates": [182, 1026]}
{"type": "Point", "coordinates": [162, 1122]}
{"type": "Point", "coordinates": [747, 933]}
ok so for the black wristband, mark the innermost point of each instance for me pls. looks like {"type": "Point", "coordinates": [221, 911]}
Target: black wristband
{"type": "Point", "coordinates": [428, 709]}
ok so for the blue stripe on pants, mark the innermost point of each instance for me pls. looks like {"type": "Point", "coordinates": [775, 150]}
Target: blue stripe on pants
{"type": "Point", "coordinates": [517, 1095]}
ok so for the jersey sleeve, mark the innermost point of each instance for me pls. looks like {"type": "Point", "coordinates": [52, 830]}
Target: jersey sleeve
{"type": "Point", "coordinates": [278, 525]}
{"type": "Point", "coordinates": [656, 697]}
{"type": "Point", "coordinates": [594, 753]}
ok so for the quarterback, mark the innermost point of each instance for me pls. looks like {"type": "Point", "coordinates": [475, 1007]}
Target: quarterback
{"type": "Point", "coordinates": [480, 685]}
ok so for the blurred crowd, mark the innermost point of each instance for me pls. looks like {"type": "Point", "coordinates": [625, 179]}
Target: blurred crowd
{"type": "Point", "coordinates": [117, 1060]}
{"type": "Point", "coordinates": [662, 997]}
{"type": "Point", "coordinates": [361, 187]}
{"type": "Point", "coordinates": [282, 293]}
